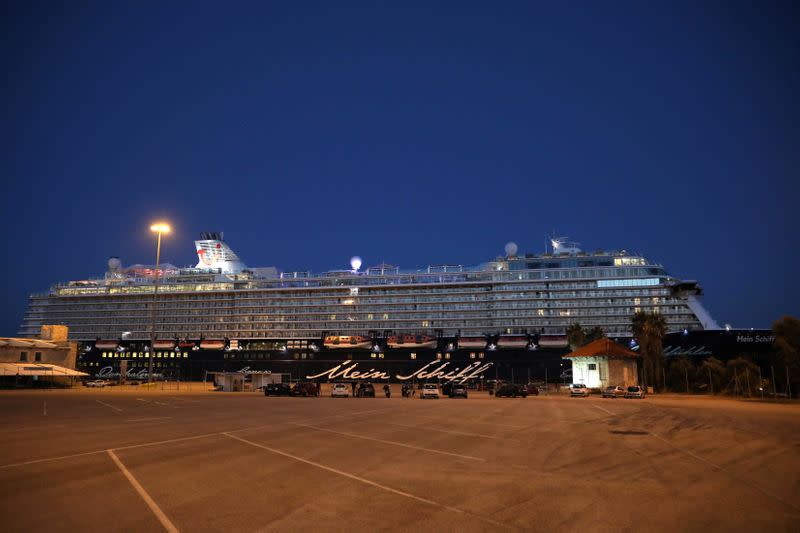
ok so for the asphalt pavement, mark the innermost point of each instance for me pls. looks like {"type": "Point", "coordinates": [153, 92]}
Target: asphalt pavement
{"type": "Point", "coordinates": [147, 460]}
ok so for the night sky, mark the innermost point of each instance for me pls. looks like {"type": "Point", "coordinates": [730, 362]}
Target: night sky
{"type": "Point", "coordinates": [414, 134]}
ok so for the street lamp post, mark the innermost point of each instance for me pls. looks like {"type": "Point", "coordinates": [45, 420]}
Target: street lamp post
{"type": "Point", "coordinates": [159, 228]}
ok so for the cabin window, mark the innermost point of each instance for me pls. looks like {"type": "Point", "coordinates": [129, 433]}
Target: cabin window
{"type": "Point", "coordinates": [37, 356]}
{"type": "Point", "coordinates": [23, 356]}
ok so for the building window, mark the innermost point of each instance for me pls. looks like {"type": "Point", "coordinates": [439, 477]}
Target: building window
{"type": "Point", "coordinates": [23, 356]}
{"type": "Point", "coordinates": [37, 356]}
{"type": "Point", "coordinates": [592, 366]}
{"type": "Point", "coordinates": [413, 356]}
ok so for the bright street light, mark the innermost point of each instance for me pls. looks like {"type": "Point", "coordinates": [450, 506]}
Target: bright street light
{"type": "Point", "coordinates": [160, 228]}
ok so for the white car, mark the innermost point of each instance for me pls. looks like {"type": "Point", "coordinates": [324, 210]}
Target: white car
{"type": "Point", "coordinates": [429, 390]}
{"type": "Point", "coordinates": [340, 390]}
{"type": "Point", "coordinates": [96, 383]}
{"type": "Point", "coordinates": [635, 392]}
{"type": "Point", "coordinates": [579, 389]}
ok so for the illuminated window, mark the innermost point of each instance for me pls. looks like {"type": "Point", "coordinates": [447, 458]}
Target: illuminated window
{"type": "Point", "coordinates": [369, 316]}
{"type": "Point", "coordinates": [373, 355]}
{"type": "Point", "coordinates": [385, 316]}
{"type": "Point", "coordinates": [540, 312]}
{"type": "Point", "coordinates": [438, 356]}
{"type": "Point", "coordinates": [333, 317]}
{"type": "Point", "coordinates": [354, 291]}
{"type": "Point", "coordinates": [447, 356]}
{"type": "Point", "coordinates": [413, 356]}
{"type": "Point", "coordinates": [480, 355]}
{"type": "Point", "coordinates": [425, 323]}
{"type": "Point", "coordinates": [380, 356]}
{"type": "Point", "coordinates": [472, 355]}
{"type": "Point", "coordinates": [185, 355]}
{"type": "Point", "coordinates": [105, 354]}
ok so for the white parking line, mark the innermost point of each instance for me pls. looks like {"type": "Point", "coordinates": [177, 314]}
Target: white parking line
{"type": "Point", "coordinates": [393, 443]}
{"type": "Point", "coordinates": [165, 521]}
{"type": "Point", "coordinates": [369, 482]}
{"type": "Point", "coordinates": [451, 431]}
{"type": "Point", "coordinates": [109, 405]}
{"type": "Point", "coordinates": [129, 447]}
{"type": "Point", "coordinates": [439, 418]}
{"type": "Point", "coordinates": [604, 409]}
{"type": "Point", "coordinates": [148, 419]}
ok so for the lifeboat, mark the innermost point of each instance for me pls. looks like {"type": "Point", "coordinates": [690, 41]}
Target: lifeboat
{"type": "Point", "coordinates": [106, 345]}
{"type": "Point", "coordinates": [164, 344]}
{"type": "Point", "coordinates": [553, 341]}
{"type": "Point", "coordinates": [411, 341]}
{"type": "Point", "coordinates": [514, 342]}
{"type": "Point", "coordinates": [478, 343]}
{"type": "Point", "coordinates": [212, 344]}
{"type": "Point", "coordinates": [186, 345]}
{"type": "Point", "coordinates": [347, 341]}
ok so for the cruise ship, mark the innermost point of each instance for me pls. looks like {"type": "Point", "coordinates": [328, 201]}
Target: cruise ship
{"type": "Point", "coordinates": [507, 314]}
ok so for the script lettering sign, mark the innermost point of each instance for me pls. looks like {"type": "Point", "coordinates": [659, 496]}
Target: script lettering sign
{"type": "Point", "coordinates": [347, 370]}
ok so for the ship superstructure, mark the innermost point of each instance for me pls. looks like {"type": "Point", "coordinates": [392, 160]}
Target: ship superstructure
{"type": "Point", "coordinates": [514, 294]}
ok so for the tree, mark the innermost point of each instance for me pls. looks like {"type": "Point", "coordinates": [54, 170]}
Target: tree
{"type": "Point", "coordinates": [787, 340]}
{"type": "Point", "coordinates": [649, 330]}
{"type": "Point", "coordinates": [575, 336]}
{"type": "Point", "coordinates": [593, 334]}
{"type": "Point", "coordinates": [714, 370]}
{"type": "Point", "coordinates": [742, 376]}
{"type": "Point", "coordinates": [681, 373]}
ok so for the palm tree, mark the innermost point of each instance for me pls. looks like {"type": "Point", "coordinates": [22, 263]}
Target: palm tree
{"type": "Point", "coordinates": [649, 330]}
{"type": "Point", "coordinates": [575, 336]}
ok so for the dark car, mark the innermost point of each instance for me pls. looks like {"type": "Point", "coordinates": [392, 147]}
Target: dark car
{"type": "Point", "coordinates": [278, 389]}
{"type": "Point", "coordinates": [532, 388]}
{"type": "Point", "coordinates": [365, 390]}
{"type": "Point", "coordinates": [305, 389]}
{"type": "Point", "coordinates": [457, 391]}
{"type": "Point", "coordinates": [511, 391]}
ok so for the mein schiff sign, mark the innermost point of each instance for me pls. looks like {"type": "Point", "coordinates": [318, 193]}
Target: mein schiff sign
{"type": "Point", "coordinates": [348, 370]}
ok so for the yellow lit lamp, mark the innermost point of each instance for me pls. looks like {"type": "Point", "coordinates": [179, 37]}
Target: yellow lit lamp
{"type": "Point", "coordinates": [160, 228]}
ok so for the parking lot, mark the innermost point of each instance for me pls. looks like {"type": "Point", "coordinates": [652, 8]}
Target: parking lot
{"type": "Point", "coordinates": [151, 460]}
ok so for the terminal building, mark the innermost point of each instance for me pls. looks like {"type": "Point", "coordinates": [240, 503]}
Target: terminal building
{"type": "Point", "coordinates": [48, 359]}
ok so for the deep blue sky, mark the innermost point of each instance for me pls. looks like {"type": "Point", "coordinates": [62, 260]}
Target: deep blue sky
{"type": "Point", "coordinates": [411, 133]}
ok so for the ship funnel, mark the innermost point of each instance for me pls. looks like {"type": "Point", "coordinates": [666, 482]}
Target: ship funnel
{"type": "Point", "coordinates": [213, 253]}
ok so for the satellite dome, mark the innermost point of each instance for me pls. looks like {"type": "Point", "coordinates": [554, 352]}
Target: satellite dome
{"type": "Point", "coordinates": [511, 249]}
{"type": "Point", "coordinates": [114, 264]}
{"type": "Point", "coordinates": [355, 262]}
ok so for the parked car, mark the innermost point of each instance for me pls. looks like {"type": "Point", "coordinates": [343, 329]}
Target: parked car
{"type": "Point", "coordinates": [457, 391]}
{"type": "Point", "coordinates": [533, 388]}
{"type": "Point", "coordinates": [365, 390]}
{"type": "Point", "coordinates": [613, 391]}
{"type": "Point", "coordinates": [579, 389]}
{"type": "Point", "coordinates": [340, 390]}
{"type": "Point", "coordinates": [429, 390]}
{"type": "Point", "coordinates": [508, 390]}
{"type": "Point", "coordinates": [278, 389]}
{"type": "Point", "coordinates": [635, 392]}
{"type": "Point", "coordinates": [95, 383]}
{"type": "Point", "coordinates": [305, 389]}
